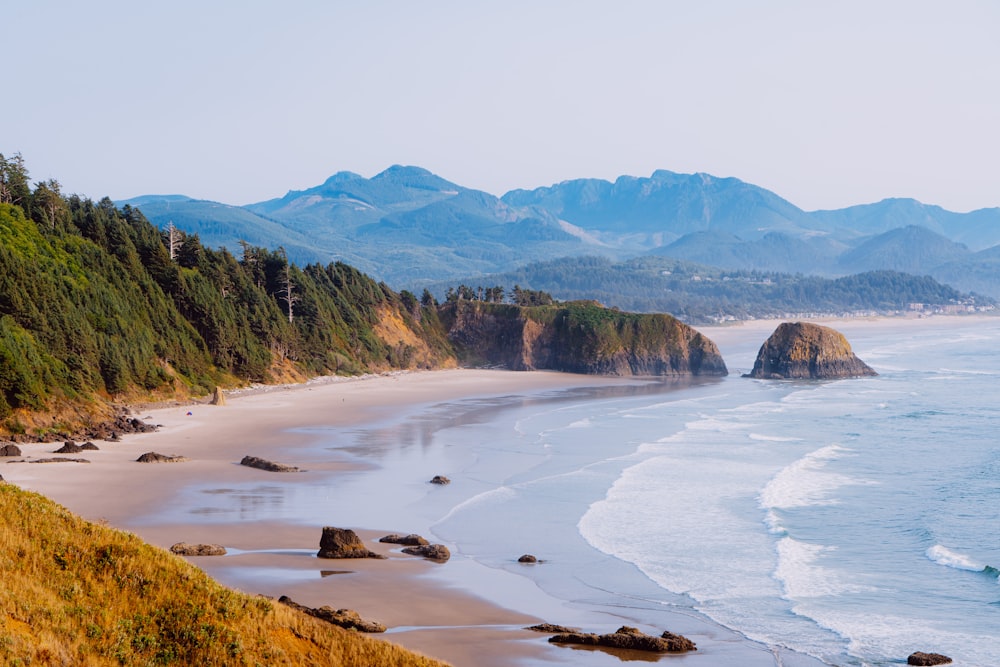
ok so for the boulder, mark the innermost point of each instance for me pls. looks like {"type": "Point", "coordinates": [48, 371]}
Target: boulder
{"type": "Point", "coordinates": [629, 638]}
{"type": "Point", "coordinates": [802, 350]}
{"type": "Point", "coordinates": [438, 552]}
{"type": "Point", "coordinates": [69, 447]}
{"type": "Point", "coordinates": [921, 658]}
{"type": "Point", "coordinates": [345, 618]}
{"type": "Point", "coordinates": [440, 479]}
{"type": "Point", "coordinates": [59, 459]}
{"type": "Point", "coordinates": [527, 558]}
{"type": "Point", "coordinates": [263, 464]}
{"type": "Point", "coordinates": [411, 540]}
{"type": "Point", "coordinates": [156, 457]}
{"type": "Point", "coordinates": [89, 445]}
{"type": "Point", "coordinates": [550, 628]}
{"type": "Point", "coordinates": [185, 549]}
{"type": "Point", "coordinates": [10, 449]}
{"type": "Point", "coordinates": [218, 398]}
{"type": "Point", "coordinates": [343, 543]}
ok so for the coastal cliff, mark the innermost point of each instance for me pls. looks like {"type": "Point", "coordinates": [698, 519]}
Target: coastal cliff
{"type": "Point", "coordinates": [805, 350]}
{"type": "Point", "coordinates": [577, 337]}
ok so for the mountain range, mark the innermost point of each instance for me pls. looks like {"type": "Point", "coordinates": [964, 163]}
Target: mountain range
{"type": "Point", "coordinates": [410, 227]}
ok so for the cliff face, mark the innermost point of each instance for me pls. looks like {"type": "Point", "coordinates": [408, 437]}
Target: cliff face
{"type": "Point", "coordinates": [804, 350]}
{"type": "Point", "coordinates": [578, 337]}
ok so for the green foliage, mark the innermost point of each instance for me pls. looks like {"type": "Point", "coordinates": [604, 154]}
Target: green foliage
{"type": "Point", "coordinates": [699, 294]}
{"type": "Point", "coordinates": [91, 303]}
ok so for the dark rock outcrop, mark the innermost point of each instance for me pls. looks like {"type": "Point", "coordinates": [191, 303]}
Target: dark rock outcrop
{"type": "Point", "coordinates": [527, 558]}
{"type": "Point", "coordinates": [122, 424]}
{"type": "Point", "coordinates": [411, 540]}
{"type": "Point", "coordinates": [264, 464]}
{"type": "Point", "coordinates": [89, 446]}
{"type": "Point", "coordinates": [552, 628]}
{"type": "Point", "coordinates": [921, 658]}
{"type": "Point", "coordinates": [440, 479]}
{"type": "Point", "coordinates": [345, 618]}
{"type": "Point", "coordinates": [629, 638]}
{"type": "Point", "coordinates": [59, 459]}
{"type": "Point", "coordinates": [218, 398]}
{"type": "Point", "coordinates": [156, 457]}
{"type": "Point", "coordinates": [807, 351]}
{"type": "Point", "coordinates": [343, 543]}
{"type": "Point", "coordinates": [438, 552]}
{"type": "Point", "coordinates": [10, 450]}
{"type": "Point", "coordinates": [185, 549]}
{"type": "Point", "coordinates": [578, 337]}
{"type": "Point", "coordinates": [69, 447]}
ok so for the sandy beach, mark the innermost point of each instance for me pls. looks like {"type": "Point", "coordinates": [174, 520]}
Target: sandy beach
{"type": "Point", "coordinates": [429, 614]}
{"type": "Point", "coordinates": [456, 611]}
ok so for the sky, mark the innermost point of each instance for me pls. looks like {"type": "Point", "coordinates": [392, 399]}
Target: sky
{"type": "Point", "coordinates": [828, 104]}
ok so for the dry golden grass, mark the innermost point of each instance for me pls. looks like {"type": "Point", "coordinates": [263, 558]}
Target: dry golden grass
{"type": "Point", "coordinates": [76, 593]}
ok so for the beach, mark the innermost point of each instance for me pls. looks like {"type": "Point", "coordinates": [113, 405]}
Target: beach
{"type": "Point", "coordinates": [369, 447]}
{"type": "Point", "coordinates": [425, 608]}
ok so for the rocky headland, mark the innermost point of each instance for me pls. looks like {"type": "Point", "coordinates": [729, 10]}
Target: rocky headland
{"type": "Point", "coordinates": [578, 337]}
{"type": "Point", "coordinates": [802, 350]}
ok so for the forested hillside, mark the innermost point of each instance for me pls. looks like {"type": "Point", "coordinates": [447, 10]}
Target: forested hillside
{"type": "Point", "coordinates": [699, 294]}
{"type": "Point", "coordinates": [97, 304]}
{"type": "Point", "coordinates": [99, 308]}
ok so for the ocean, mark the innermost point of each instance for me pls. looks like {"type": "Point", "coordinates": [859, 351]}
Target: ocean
{"type": "Point", "coordinates": [853, 521]}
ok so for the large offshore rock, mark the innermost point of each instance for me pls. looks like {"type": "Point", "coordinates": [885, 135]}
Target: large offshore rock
{"type": "Point", "coordinates": [805, 350]}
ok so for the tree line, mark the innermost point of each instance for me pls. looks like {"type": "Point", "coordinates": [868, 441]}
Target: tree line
{"type": "Point", "coordinates": [96, 301]}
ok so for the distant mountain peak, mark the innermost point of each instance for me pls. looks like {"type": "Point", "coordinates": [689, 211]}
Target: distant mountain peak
{"type": "Point", "coordinates": [342, 177]}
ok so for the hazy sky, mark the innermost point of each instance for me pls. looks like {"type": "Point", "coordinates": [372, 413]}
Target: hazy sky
{"type": "Point", "coordinates": [828, 104]}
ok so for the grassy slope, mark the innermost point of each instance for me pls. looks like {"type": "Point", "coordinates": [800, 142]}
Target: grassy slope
{"type": "Point", "coordinates": [77, 593]}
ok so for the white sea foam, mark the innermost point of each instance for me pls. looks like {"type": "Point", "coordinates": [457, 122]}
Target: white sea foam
{"type": "Point", "coordinates": [945, 556]}
{"type": "Point", "coordinates": [804, 482]}
{"type": "Point", "coordinates": [802, 578]}
{"type": "Point", "coordinates": [772, 438]}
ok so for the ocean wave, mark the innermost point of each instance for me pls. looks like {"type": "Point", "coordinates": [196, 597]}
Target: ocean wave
{"type": "Point", "coordinates": [802, 578]}
{"type": "Point", "coordinates": [944, 556]}
{"type": "Point", "coordinates": [803, 483]}
{"type": "Point", "coordinates": [773, 438]}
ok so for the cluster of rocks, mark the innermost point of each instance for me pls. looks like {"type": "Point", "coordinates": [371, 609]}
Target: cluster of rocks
{"type": "Point", "coordinates": [270, 466]}
{"type": "Point", "coordinates": [345, 618]}
{"type": "Point", "coordinates": [415, 545]}
{"type": "Point", "coordinates": [624, 637]}
{"type": "Point", "coordinates": [411, 540]}
{"type": "Point", "coordinates": [70, 447]}
{"type": "Point", "coordinates": [122, 424]}
{"type": "Point", "coordinates": [440, 479]}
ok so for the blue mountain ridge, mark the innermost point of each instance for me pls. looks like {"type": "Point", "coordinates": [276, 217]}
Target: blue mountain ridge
{"type": "Point", "coordinates": [407, 225]}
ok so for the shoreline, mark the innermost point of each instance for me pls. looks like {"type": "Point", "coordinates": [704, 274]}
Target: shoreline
{"type": "Point", "coordinates": [458, 611]}
{"type": "Point", "coordinates": [440, 617]}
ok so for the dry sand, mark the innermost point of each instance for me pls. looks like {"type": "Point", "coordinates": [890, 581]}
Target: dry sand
{"type": "Point", "coordinates": [422, 613]}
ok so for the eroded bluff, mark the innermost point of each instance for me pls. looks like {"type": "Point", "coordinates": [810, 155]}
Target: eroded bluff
{"type": "Point", "coordinates": [578, 337]}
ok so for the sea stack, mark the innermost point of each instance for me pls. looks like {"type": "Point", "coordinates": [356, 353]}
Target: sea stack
{"type": "Point", "coordinates": [800, 350]}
